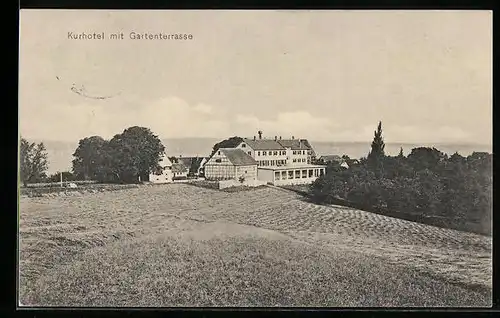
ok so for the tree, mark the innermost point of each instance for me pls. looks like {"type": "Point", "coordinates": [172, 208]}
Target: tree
{"type": "Point", "coordinates": [134, 154]}
{"type": "Point", "coordinates": [89, 158]}
{"type": "Point", "coordinates": [195, 165]}
{"type": "Point", "coordinates": [400, 155]}
{"type": "Point", "coordinates": [377, 152]}
{"type": "Point", "coordinates": [33, 162]}
{"type": "Point", "coordinates": [227, 143]}
{"type": "Point", "coordinates": [422, 158]}
{"type": "Point", "coordinates": [457, 158]}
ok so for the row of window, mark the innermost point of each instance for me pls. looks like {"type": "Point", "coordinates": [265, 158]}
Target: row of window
{"type": "Point", "coordinates": [297, 175]}
{"type": "Point", "coordinates": [271, 163]}
{"type": "Point", "coordinates": [299, 160]}
{"type": "Point", "coordinates": [278, 153]}
{"type": "Point", "coordinates": [272, 153]}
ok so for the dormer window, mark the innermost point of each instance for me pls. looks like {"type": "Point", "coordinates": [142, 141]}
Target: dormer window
{"type": "Point", "coordinates": [243, 146]}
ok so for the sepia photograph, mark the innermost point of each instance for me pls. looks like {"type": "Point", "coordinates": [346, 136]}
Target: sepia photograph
{"type": "Point", "coordinates": [255, 158]}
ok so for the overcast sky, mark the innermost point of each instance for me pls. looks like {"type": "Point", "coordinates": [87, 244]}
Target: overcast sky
{"type": "Point", "coordinates": [321, 75]}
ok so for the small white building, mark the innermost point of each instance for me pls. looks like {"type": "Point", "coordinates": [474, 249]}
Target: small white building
{"type": "Point", "coordinates": [230, 163]}
{"type": "Point", "coordinates": [164, 173]}
{"type": "Point", "coordinates": [180, 170]}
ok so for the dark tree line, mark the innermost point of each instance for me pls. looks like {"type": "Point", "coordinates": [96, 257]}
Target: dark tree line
{"type": "Point", "coordinates": [128, 157]}
{"type": "Point", "coordinates": [426, 183]}
{"type": "Point", "coordinates": [231, 142]}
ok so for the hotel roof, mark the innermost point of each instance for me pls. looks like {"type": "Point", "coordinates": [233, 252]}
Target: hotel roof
{"type": "Point", "coordinates": [263, 144]}
{"type": "Point", "coordinates": [278, 144]}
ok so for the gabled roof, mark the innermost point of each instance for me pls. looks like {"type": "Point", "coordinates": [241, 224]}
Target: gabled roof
{"type": "Point", "coordinates": [263, 144]}
{"type": "Point", "coordinates": [295, 144]}
{"type": "Point", "coordinates": [165, 162]}
{"type": "Point", "coordinates": [179, 168]}
{"type": "Point", "coordinates": [186, 161]}
{"type": "Point", "coordinates": [238, 157]}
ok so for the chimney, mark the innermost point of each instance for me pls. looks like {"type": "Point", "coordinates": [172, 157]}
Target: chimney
{"type": "Point", "coordinates": [280, 137]}
{"type": "Point", "coordinates": [275, 138]}
{"type": "Point", "coordinates": [260, 134]}
{"type": "Point", "coordinates": [293, 137]}
{"type": "Point", "coordinates": [253, 137]}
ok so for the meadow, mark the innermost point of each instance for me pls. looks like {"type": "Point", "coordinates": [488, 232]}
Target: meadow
{"type": "Point", "coordinates": [182, 245]}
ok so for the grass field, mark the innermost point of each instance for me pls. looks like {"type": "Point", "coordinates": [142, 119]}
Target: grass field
{"type": "Point", "coordinates": [181, 245]}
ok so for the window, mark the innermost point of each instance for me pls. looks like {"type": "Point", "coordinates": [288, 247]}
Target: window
{"type": "Point", "coordinates": [243, 146]}
{"type": "Point", "coordinates": [258, 153]}
{"type": "Point", "coordinates": [250, 153]}
{"type": "Point", "coordinates": [294, 152]}
{"type": "Point", "coordinates": [272, 162]}
{"type": "Point", "coordinates": [294, 160]}
{"type": "Point", "coordinates": [218, 152]}
{"type": "Point", "coordinates": [218, 160]}
{"type": "Point", "coordinates": [264, 153]}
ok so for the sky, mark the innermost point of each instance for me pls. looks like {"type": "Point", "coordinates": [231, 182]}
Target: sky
{"type": "Point", "coordinates": [321, 75]}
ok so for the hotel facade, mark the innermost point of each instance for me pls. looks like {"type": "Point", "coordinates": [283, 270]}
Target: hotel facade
{"type": "Point", "coordinates": [283, 161]}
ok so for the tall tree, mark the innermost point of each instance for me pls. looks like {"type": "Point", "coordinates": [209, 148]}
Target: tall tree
{"type": "Point", "coordinates": [33, 162]}
{"type": "Point", "coordinates": [135, 153]}
{"type": "Point", "coordinates": [377, 153]}
{"type": "Point", "coordinates": [377, 150]}
{"type": "Point", "coordinates": [89, 158]}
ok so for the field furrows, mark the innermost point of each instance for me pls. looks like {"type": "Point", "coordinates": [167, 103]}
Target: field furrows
{"type": "Point", "coordinates": [103, 217]}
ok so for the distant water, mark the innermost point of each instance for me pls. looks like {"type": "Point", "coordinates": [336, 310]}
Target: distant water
{"type": "Point", "coordinates": [358, 149]}
{"type": "Point", "coordinates": [61, 153]}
